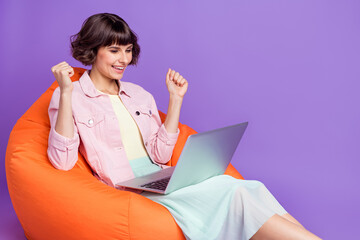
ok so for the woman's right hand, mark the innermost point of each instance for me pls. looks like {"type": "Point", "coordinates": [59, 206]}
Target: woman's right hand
{"type": "Point", "coordinates": [62, 72]}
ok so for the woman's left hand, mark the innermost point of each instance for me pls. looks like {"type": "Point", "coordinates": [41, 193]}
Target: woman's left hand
{"type": "Point", "coordinates": [176, 84]}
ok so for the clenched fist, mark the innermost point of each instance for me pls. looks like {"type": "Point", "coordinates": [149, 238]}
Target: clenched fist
{"type": "Point", "coordinates": [176, 84]}
{"type": "Point", "coordinates": [62, 72]}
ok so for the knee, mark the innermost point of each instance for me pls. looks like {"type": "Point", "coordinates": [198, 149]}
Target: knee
{"type": "Point", "coordinates": [258, 183]}
{"type": "Point", "coordinates": [248, 187]}
{"type": "Point", "coordinates": [239, 190]}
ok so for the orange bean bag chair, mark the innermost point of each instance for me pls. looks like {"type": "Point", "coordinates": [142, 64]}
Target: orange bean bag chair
{"type": "Point", "coordinates": [55, 204]}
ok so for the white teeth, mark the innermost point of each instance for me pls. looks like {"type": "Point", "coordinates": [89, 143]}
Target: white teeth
{"type": "Point", "coordinates": [120, 68]}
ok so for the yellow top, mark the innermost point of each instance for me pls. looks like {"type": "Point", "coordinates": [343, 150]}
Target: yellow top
{"type": "Point", "coordinates": [130, 133]}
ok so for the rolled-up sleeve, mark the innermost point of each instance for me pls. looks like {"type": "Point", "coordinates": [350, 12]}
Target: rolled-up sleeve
{"type": "Point", "coordinates": [167, 138]}
{"type": "Point", "coordinates": [62, 151]}
{"type": "Point", "coordinates": [161, 142]}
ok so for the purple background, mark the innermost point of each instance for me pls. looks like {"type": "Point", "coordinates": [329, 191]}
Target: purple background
{"type": "Point", "coordinates": [290, 68]}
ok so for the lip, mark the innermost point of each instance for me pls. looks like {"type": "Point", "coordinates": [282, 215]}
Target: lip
{"type": "Point", "coordinates": [117, 70]}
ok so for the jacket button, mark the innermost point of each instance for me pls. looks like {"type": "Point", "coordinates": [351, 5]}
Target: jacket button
{"type": "Point", "coordinates": [146, 143]}
{"type": "Point", "coordinates": [90, 122]}
{"type": "Point", "coordinates": [150, 112]}
{"type": "Point", "coordinates": [137, 113]}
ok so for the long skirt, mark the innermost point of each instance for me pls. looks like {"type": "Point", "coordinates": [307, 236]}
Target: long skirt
{"type": "Point", "coordinates": [221, 207]}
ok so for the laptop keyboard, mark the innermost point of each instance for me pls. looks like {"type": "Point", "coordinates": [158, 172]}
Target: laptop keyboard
{"type": "Point", "coordinates": [159, 184]}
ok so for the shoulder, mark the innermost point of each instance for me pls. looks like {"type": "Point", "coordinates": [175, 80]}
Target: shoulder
{"type": "Point", "coordinates": [134, 88]}
{"type": "Point", "coordinates": [136, 91]}
{"type": "Point", "coordinates": [75, 94]}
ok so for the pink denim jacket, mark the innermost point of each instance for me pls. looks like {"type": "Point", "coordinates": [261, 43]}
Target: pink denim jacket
{"type": "Point", "coordinates": [97, 132]}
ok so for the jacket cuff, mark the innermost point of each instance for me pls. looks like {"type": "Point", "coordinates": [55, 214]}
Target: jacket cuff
{"type": "Point", "coordinates": [166, 137]}
{"type": "Point", "coordinates": [61, 142]}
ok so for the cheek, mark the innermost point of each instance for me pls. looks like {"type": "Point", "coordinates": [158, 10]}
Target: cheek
{"type": "Point", "coordinates": [99, 59]}
{"type": "Point", "coordinates": [104, 58]}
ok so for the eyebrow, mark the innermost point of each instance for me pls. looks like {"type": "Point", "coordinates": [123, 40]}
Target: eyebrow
{"type": "Point", "coordinates": [115, 47]}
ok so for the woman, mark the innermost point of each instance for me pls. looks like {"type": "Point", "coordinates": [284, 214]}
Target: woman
{"type": "Point", "coordinates": [117, 128]}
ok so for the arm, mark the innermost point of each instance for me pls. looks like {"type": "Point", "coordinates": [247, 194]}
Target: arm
{"type": "Point", "coordinates": [173, 114]}
{"type": "Point", "coordinates": [163, 141]}
{"type": "Point", "coordinates": [63, 140]}
{"type": "Point", "coordinates": [64, 121]}
{"type": "Point", "coordinates": [177, 87]}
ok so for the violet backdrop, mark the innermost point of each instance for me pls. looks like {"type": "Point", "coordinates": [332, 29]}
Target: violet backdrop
{"type": "Point", "coordinates": [290, 68]}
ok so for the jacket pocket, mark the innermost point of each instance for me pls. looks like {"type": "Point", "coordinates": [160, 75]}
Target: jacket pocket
{"type": "Point", "coordinates": [145, 110]}
{"type": "Point", "coordinates": [92, 126]}
{"type": "Point", "coordinates": [144, 118]}
{"type": "Point", "coordinates": [90, 120]}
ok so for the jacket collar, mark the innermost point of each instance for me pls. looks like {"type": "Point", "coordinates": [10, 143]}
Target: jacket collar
{"type": "Point", "coordinates": [89, 89]}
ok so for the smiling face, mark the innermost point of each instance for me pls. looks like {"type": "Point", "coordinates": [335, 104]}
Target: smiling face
{"type": "Point", "coordinates": [112, 60]}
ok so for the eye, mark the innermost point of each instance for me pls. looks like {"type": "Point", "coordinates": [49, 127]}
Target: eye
{"type": "Point", "coordinates": [129, 50]}
{"type": "Point", "coordinates": [113, 51]}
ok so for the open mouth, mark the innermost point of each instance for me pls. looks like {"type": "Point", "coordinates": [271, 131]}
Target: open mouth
{"type": "Point", "coordinates": [118, 69]}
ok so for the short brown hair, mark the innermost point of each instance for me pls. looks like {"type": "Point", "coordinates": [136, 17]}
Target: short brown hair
{"type": "Point", "coordinates": [102, 29]}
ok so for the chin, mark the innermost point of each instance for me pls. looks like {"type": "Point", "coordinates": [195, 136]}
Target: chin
{"type": "Point", "coordinates": [116, 76]}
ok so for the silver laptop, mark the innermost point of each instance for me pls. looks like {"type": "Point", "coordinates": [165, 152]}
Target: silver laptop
{"type": "Point", "coordinates": [205, 155]}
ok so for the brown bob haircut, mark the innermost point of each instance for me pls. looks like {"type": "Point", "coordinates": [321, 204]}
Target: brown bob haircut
{"type": "Point", "coordinates": [103, 29]}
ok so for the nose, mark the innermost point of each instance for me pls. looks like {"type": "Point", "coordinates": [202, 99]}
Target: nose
{"type": "Point", "coordinates": [123, 58]}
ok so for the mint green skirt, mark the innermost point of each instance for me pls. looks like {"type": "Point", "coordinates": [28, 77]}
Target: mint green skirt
{"type": "Point", "coordinates": [220, 207]}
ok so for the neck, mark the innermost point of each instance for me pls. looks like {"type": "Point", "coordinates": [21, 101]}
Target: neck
{"type": "Point", "coordinates": [102, 83]}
